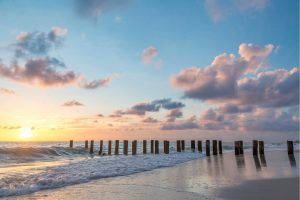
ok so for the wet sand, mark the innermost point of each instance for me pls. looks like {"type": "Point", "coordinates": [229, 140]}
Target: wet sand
{"type": "Point", "coordinates": [216, 177]}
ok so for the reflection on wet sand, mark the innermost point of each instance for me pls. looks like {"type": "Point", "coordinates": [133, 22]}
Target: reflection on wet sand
{"type": "Point", "coordinates": [263, 160]}
{"type": "Point", "coordinates": [292, 160]}
{"type": "Point", "coordinates": [257, 163]}
{"type": "Point", "coordinates": [240, 161]}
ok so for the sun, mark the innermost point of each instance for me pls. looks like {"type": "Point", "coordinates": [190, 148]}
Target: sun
{"type": "Point", "coordinates": [26, 133]}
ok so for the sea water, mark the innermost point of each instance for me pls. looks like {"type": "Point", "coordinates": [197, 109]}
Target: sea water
{"type": "Point", "coordinates": [30, 167]}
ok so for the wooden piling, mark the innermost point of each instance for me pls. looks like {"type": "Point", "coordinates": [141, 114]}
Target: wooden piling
{"type": "Point", "coordinates": [166, 146]}
{"type": "Point", "coordinates": [71, 143]}
{"type": "Point", "coordinates": [254, 147]}
{"type": "Point", "coordinates": [134, 143]}
{"type": "Point", "coordinates": [156, 147]}
{"type": "Point", "coordinates": [215, 147]}
{"type": "Point", "coordinates": [92, 147]}
{"type": "Point", "coordinates": [152, 146]}
{"type": "Point", "coordinates": [207, 146]}
{"type": "Point", "coordinates": [182, 145]}
{"type": "Point", "coordinates": [241, 147]}
{"type": "Point", "coordinates": [261, 147]}
{"type": "Point", "coordinates": [125, 147]}
{"type": "Point", "coordinates": [144, 146]}
{"type": "Point", "coordinates": [236, 147]}
{"type": "Point", "coordinates": [101, 147]}
{"type": "Point", "coordinates": [178, 146]}
{"type": "Point", "coordinates": [86, 145]}
{"type": "Point", "coordinates": [117, 147]}
{"type": "Point", "coordinates": [290, 147]}
{"type": "Point", "coordinates": [200, 146]}
{"type": "Point", "coordinates": [220, 147]}
{"type": "Point", "coordinates": [193, 145]}
{"type": "Point", "coordinates": [109, 147]}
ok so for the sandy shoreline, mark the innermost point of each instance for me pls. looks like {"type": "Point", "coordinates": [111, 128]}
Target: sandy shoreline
{"type": "Point", "coordinates": [215, 177]}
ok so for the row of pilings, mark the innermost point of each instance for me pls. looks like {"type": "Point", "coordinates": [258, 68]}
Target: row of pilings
{"type": "Point", "coordinates": [257, 147]}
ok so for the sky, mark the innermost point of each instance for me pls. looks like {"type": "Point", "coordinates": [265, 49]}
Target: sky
{"type": "Point", "coordinates": [128, 69]}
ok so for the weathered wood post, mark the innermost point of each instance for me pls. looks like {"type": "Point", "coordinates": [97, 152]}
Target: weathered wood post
{"type": "Point", "coordinates": [207, 146]}
{"type": "Point", "coordinates": [134, 142]}
{"type": "Point", "coordinates": [193, 145]}
{"type": "Point", "coordinates": [125, 147]}
{"type": "Point", "coordinates": [236, 148]}
{"type": "Point", "coordinates": [290, 147]}
{"type": "Point", "coordinates": [101, 147]}
{"type": "Point", "coordinates": [254, 147]}
{"type": "Point", "coordinates": [220, 147]}
{"type": "Point", "coordinates": [86, 144]}
{"type": "Point", "coordinates": [182, 145]}
{"type": "Point", "coordinates": [200, 146]}
{"type": "Point", "coordinates": [167, 147]}
{"type": "Point", "coordinates": [144, 146]}
{"type": "Point", "coordinates": [156, 147]}
{"type": "Point", "coordinates": [109, 147]}
{"type": "Point", "coordinates": [215, 147]}
{"type": "Point", "coordinates": [117, 147]}
{"type": "Point", "coordinates": [152, 146]}
{"type": "Point", "coordinates": [178, 146]}
{"type": "Point", "coordinates": [92, 147]}
{"type": "Point", "coordinates": [71, 143]}
{"type": "Point", "coordinates": [261, 147]}
{"type": "Point", "coordinates": [241, 147]}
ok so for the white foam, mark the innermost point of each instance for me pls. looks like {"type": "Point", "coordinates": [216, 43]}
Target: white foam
{"type": "Point", "coordinates": [74, 172]}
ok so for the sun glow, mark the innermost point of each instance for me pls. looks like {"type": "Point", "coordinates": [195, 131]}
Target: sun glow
{"type": "Point", "coordinates": [26, 133]}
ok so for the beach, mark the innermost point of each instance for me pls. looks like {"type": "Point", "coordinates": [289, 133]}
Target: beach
{"type": "Point", "coordinates": [274, 176]}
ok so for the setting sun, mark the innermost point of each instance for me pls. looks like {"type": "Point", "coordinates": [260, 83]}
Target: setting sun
{"type": "Point", "coordinates": [26, 133]}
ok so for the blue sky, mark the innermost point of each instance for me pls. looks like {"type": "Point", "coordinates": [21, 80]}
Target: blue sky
{"type": "Point", "coordinates": [184, 33]}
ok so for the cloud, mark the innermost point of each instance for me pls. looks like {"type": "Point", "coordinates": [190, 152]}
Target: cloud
{"type": "Point", "coordinates": [6, 91]}
{"type": "Point", "coordinates": [100, 115]}
{"type": "Point", "coordinates": [39, 43]}
{"type": "Point", "coordinates": [278, 88]}
{"type": "Point", "coordinates": [220, 9]}
{"type": "Point", "coordinates": [149, 54]}
{"type": "Point", "coordinates": [154, 106]}
{"type": "Point", "coordinates": [190, 123]}
{"type": "Point", "coordinates": [231, 109]}
{"type": "Point", "coordinates": [10, 127]}
{"type": "Point", "coordinates": [150, 120]}
{"type": "Point", "coordinates": [72, 103]}
{"type": "Point", "coordinates": [173, 114]}
{"type": "Point", "coordinates": [32, 64]}
{"type": "Point", "coordinates": [92, 9]}
{"type": "Point", "coordinates": [96, 83]}
{"type": "Point", "coordinates": [260, 119]}
{"type": "Point", "coordinates": [42, 72]}
{"type": "Point", "coordinates": [231, 79]}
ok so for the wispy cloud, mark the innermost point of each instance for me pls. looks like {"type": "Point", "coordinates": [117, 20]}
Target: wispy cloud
{"type": "Point", "coordinates": [149, 54]}
{"type": "Point", "coordinates": [72, 103]}
{"type": "Point", "coordinates": [93, 9]}
{"type": "Point", "coordinates": [6, 91]}
{"type": "Point", "coordinates": [220, 9]}
{"type": "Point", "coordinates": [150, 120]}
{"type": "Point", "coordinates": [97, 83]}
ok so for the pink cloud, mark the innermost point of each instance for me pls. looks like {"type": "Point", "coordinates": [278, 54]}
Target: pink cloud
{"type": "Point", "coordinates": [224, 81]}
{"type": "Point", "coordinates": [149, 54]}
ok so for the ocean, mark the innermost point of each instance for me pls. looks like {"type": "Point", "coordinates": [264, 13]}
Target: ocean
{"type": "Point", "coordinates": [29, 167]}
